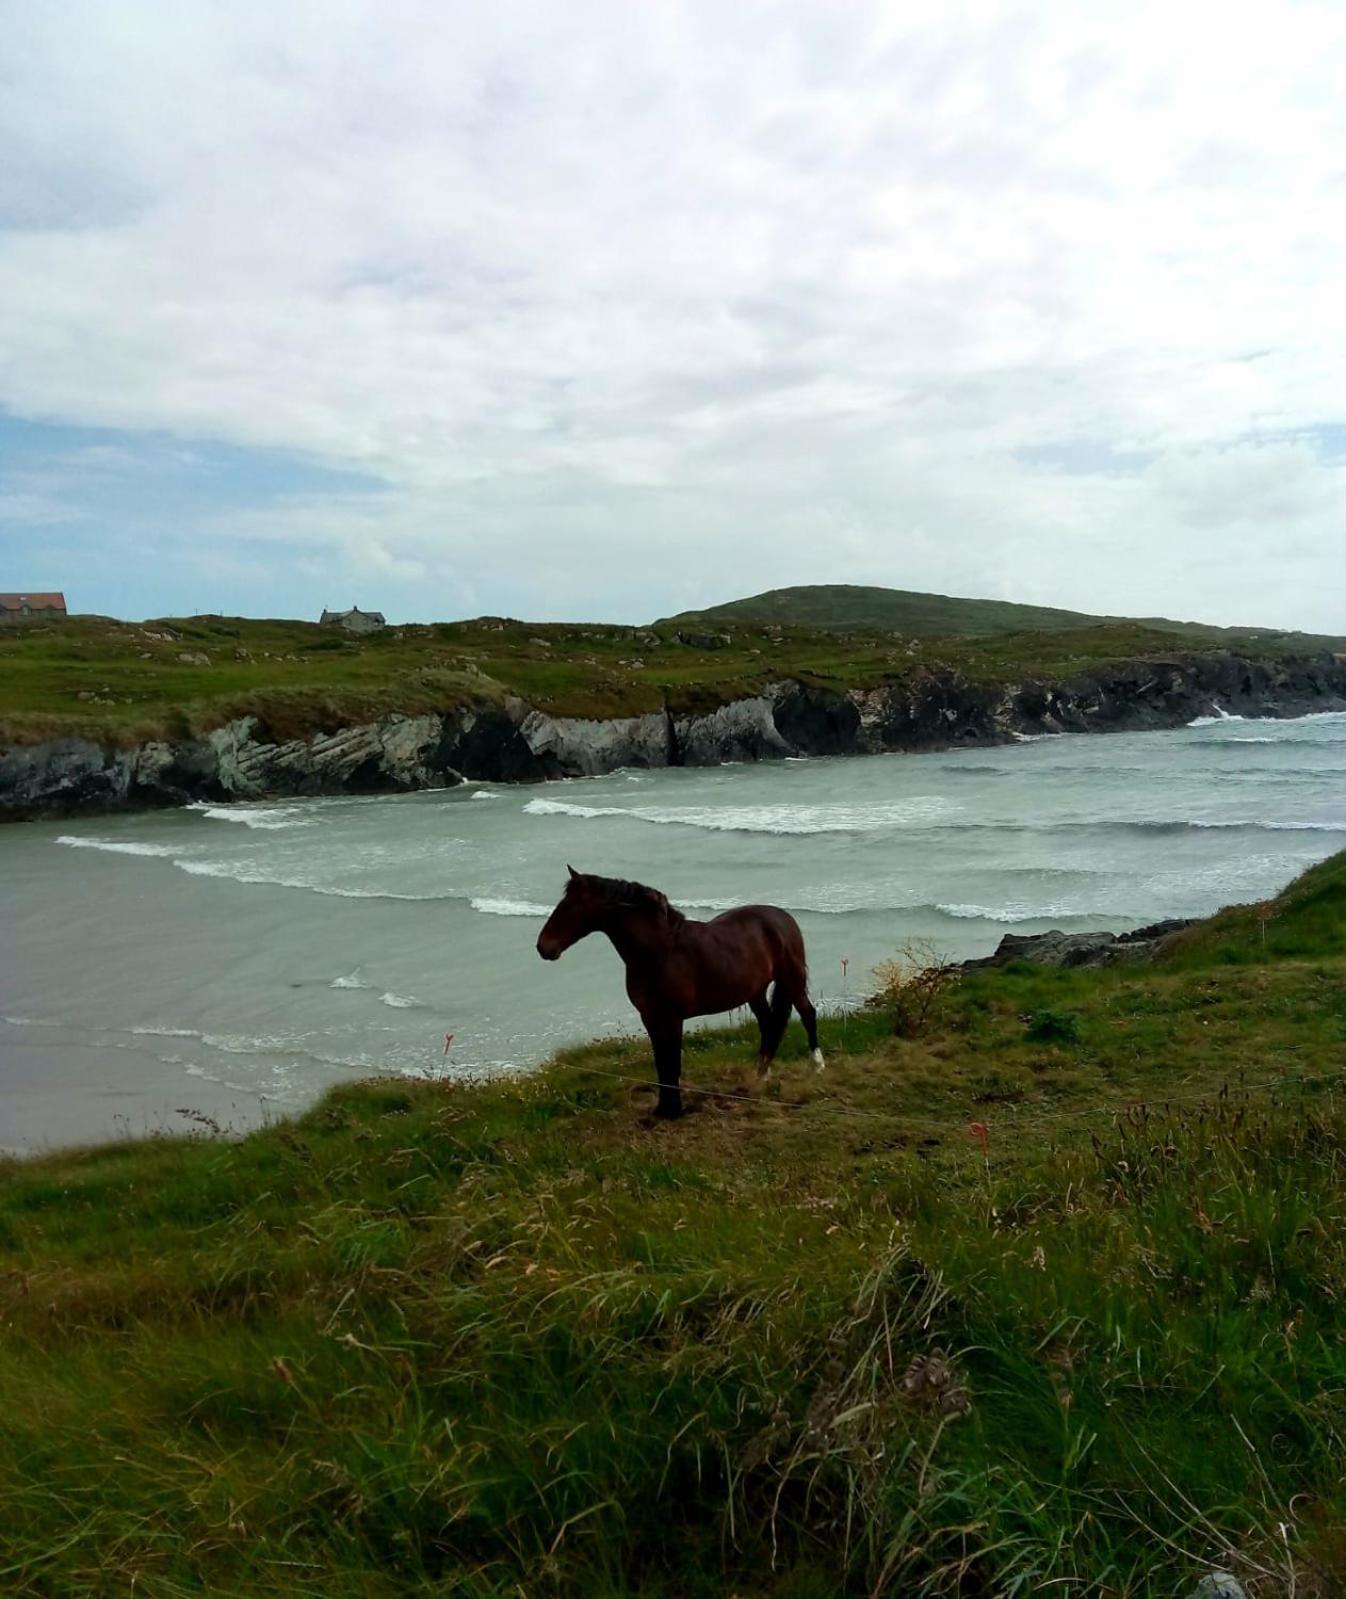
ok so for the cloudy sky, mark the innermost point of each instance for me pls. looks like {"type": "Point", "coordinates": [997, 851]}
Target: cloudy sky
{"type": "Point", "coordinates": [587, 309]}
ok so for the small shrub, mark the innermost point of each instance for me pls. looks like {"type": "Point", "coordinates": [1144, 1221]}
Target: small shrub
{"type": "Point", "coordinates": [1053, 1027]}
{"type": "Point", "coordinates": [912, 986]}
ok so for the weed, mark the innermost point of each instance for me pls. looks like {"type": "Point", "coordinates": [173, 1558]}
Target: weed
{"type": "Point", "coordinates": [1052, 1027]}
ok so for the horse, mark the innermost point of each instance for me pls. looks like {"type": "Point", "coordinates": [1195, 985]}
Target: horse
{"type": "Point", "coordinates": [677, 967]}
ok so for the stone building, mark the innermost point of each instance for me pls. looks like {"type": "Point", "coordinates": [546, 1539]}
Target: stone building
{"type": "Point", "coordinates": [16, 608]}
{"type": "Point", "coordinates": [354, 620]}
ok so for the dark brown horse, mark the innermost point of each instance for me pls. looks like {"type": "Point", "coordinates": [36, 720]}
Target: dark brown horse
{"type": "Point", "coordinates": [676, 968]}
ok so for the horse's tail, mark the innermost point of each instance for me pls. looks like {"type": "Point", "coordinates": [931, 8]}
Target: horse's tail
{"type": "Point", "coordinates": [795, 958]}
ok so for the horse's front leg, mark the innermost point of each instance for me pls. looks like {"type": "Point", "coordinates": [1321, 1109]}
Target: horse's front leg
{"type": "Point", "coordinates": [666, 1037]}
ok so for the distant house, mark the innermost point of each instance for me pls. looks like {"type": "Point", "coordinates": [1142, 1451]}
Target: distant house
{"type": "Point", "coordinates": [31, 607]}
{"type": "Point", "coordinates": [354, 620]}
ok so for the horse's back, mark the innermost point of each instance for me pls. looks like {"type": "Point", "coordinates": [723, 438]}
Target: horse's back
{"type": "Point", "coordinates": [777, 926]}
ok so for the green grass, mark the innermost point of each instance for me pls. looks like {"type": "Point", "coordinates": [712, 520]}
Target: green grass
{"type": "Point", "coordinates": [517, 1339]}
{"type": "Point", "coordinates": [849, 608]}
{"type": "Point", "coordinates": [125, 683]}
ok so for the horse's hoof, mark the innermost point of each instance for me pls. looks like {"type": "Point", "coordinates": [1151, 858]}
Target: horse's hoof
{"type": "Point", "coordinates": [763, 1070]}
{"type": "Point", "coordinates": [667, 1113]}
{"type": "Point", "coordinates": [816, 1056]}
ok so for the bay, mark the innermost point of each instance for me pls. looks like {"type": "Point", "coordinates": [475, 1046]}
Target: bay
{"type": "Point", "coordinates": [233, 962]}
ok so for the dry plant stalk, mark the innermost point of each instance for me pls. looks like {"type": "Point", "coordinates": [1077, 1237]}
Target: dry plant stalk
{"type": "Point", "coordinates": [912, 984]}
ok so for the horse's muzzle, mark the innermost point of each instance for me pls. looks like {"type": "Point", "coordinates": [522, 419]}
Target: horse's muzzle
{"type": "Point", "coordinates": [548, 952]}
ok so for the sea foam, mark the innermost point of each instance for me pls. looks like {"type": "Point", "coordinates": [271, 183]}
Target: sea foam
{"type": "Point", "coordinates": [776, 819]}
{"type": "Point", "coordinates": [116, 847]}
{"type": "Point", "coordinates": [269, 819]}
{"type": "Point", "coordinates": [509, 907]}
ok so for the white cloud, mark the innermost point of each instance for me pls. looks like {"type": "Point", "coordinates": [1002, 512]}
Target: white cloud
{"type": "Point", "coordinates": [631, 307]}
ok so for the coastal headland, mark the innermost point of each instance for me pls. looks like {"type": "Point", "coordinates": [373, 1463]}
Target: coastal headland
{"type": "Point", "coordinates": [98, 715]}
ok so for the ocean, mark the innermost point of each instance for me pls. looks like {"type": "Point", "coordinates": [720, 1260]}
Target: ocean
{"type": "Point", "coordinates": [223, 965]}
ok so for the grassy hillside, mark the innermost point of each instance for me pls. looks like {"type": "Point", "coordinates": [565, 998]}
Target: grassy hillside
{"type": "Point", "coordinates": [849, 608]}
{"type": "Point", "coordinates": [516, 1339]}
{"type": "Point", "coordinates": [127, 682]}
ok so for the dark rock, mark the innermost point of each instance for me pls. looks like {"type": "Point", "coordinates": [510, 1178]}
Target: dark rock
{"type": "Point", "coordinates": [816, 722]}
{"type": "Point", "coordinates": [1156, 930]}
{"type": "Point", "coordinates": [489, 746]}
{"type": "Point", "coordinates": [1058, 948]}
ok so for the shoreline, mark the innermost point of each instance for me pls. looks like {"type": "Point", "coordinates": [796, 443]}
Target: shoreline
{"type": "Point", "coordinates": [872, 918]}
{"type": "Point", "coordinates": [515, 743]}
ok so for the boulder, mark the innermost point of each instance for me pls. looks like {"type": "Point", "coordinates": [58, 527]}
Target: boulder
{"type": "Point", "coordinates": [1219, 1585]}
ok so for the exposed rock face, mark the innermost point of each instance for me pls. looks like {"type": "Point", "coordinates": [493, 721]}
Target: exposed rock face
{"type": "Point", "coordinates": [1056, 948]}
{"type": "Point", "coordinates": [70, 774]}
{"type": "Point", "coordinates": [570, 747]}
{"type": "Point", "coordinates": [817, 723]}
{"type": "Point", "coordinates": [512, 742]}
{"type": "Point", "coordinates": [743, 731]}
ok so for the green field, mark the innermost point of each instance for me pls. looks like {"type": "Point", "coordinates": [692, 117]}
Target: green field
{"type": "Point", "coordinates": [851, 608]}
{"type": "Point", "coordinates": [124, 683]}
{"type": "Point", "coordinates": [516, 1339]}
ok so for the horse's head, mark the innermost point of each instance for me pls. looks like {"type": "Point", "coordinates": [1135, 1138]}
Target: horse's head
{"type": "Point", "coordinates": [600, 905]}
{"type": "Point", "coordinates": [576, 916]}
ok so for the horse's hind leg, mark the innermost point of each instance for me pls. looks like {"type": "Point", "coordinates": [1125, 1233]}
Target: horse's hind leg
{"type": "Point", "coordinates": [770, 1031]}
{"type": "Point", "coordinates": [797, 987]}
{"type": "Point", "coordinates": [809, 1017]}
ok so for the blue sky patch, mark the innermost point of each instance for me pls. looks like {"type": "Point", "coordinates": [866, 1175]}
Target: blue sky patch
{"type": "Point", "coordinates": [123, 521]}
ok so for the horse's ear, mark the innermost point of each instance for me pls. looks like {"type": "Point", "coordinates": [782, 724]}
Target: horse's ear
{"type": "Point", "coordinates": [572, 871]}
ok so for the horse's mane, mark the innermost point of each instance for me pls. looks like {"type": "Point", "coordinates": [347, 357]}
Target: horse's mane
{"type": "Point", "coordinates": [640, 896]}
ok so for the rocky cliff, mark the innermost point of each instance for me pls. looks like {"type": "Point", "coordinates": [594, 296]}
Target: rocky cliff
{"type": "Point", "coordinates": [514, 742]}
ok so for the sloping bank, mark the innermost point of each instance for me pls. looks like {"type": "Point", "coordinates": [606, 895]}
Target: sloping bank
{"type": "Point", "coordinates": [511, 741]}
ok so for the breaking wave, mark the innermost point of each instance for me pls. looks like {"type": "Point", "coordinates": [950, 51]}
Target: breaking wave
{"type": "Point", "coordinates": [268, 819]}
{"type": "Point", "coordinates": [1011, 914]}
{"type": "Point", "coordinates": [776, 819]}
{"type": "Point", "coordinates": [237, 872]}
{"type": "Point", "coordinates": [116, 847]}
{"type": "Point", "coordinates": [1215, 721]}
{"type": "Point", "coordinates": [509, 907]}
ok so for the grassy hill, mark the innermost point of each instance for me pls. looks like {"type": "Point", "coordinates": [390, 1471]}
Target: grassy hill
{"type": "Point", "coordinates": [126, 682]}
{"type": "Point", "coordinates": [810, 1341]}
{"type": "Point", "coordinates": [849, 608]}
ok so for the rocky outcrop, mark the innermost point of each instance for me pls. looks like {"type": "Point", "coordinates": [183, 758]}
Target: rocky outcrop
{"type": "Point", "coordinates": [511, 742]}
{"type": "Point", "coordinates": [570, 747]}
{"type": "Point", "coordinates": [1056, 948]}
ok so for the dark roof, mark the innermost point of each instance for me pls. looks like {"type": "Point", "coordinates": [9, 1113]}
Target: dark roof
{"type": "Point", "coordinates": [36, 602]}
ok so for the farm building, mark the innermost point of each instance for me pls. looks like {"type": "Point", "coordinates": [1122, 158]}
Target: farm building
{"type": "Point", "coordinates": [31, 607]}
{"type": "Point", "coordinates": [354, 620]}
